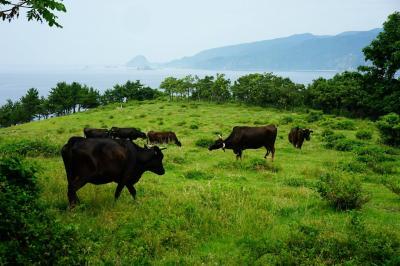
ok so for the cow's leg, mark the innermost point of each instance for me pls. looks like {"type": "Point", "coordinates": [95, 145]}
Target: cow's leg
{"type": "Point", "coordinates": [240, 154]}
{"type": "Point", "coordinates": [237, 152]}
{"type": "Point", "coordinates": [118, 190]}
{"type": "Point", "coordinates": [73, 187]}
{"type": "Point", "coordinates": [272, 153]}
{"type": "Point", "coordinates": [266, 154]}
{"type": "Point", "coordinates": [132, 190]}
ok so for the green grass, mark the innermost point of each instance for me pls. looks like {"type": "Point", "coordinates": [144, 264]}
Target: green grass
{"type": "Point", "coordinates": [208, 207]}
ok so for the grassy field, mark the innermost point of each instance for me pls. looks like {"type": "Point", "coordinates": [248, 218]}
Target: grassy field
{"type": "Point", "coordinates": [209, 208]}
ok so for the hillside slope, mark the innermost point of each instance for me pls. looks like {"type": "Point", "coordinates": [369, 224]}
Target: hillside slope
{"type": "Point", "coordinates": [297, 52]}
{"type": "Point", "coordinates": [209, 208]}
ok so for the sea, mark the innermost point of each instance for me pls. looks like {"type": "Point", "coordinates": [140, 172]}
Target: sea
{"type": "Point", "coordinates": [16, 80]}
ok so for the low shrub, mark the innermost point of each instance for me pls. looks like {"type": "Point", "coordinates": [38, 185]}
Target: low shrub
{"type": "Point", "coordinates": [204, 143]}
{"type": "Point", "coordinates": [295, 182]}
{"type": "Point", "coordinates": [312, 245]}
{"type": "Point", "coordinates": [393, 185]}
{"type": "Point", "coordinates": [364, 134]}
{"type": "Point", "coordinates": [60, 130]}
{"type": "Point", "coordinates": [314, 116]}
{"type": "Point", "coordinates": [286, 120]}
{"type": "Point", "coordinates": [260, 122]}
{"type": "Point", "coordinates": [181, 123]}
{"type": "Point", "coordinates": [29, 235]}
{"type": "Point", "coordinates": [346, 144]}
{"type": "Point", "coordinates": [327, 132]}
{"type": "Point", "coordinates": [30, 147]}
{"type": "Point", "coordinates": [389, 128]}
{"type": "Point", "coordinates": [375, 158]}
{"type": "Point", "coordinates": [197, 175]}
{"type": "Point", "coordinates": [344, 124]}
{"type": "Point", "coordinates": [339, 142]}
{"type": "Point", "coordinates": [372, 154]}
{"type": "Point", "coordinates": [194, 126]}
{"type": "Point", "coordinates": [259, 164]}
{"type": "Point", "coordinates": [342, 192]}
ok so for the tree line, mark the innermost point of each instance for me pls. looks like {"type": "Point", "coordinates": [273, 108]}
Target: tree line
{"type": "Point", "coordinates": [67, 98]}
{"type": "Point", "coordinates": [371, 91]}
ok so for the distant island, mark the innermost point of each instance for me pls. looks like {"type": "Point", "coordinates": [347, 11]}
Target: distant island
{"type": "Point", "coordinates": [139, 62]}
{"type": "Point", "coordinates": [301, 52]}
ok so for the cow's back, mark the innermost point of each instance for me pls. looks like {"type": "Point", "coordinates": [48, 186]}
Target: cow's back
{"type": "Point", "coordinates": [99, 158]}
{"type": "Point", "coordinates": [254, 137]}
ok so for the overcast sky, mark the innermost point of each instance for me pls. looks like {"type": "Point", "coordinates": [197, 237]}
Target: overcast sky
{"type": "Point", "coordinates": [112, 32]}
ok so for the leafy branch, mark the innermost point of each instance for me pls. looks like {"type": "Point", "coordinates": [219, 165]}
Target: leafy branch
{"type": "Point", "coordinates": [39, 10]}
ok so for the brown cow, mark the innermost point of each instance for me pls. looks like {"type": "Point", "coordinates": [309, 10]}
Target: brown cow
{"type": "Point", "coordinates": [297, 136]}
{"type": "Point", "coordinates": [162, 137]}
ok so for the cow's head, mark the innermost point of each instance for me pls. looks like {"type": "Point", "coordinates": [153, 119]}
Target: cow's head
{"type": "Point", "coordinates": [142, 135]}
{"type": "Point", "coordinates": [218, 144]}
{"type": "Point", "coordinates": [307, 133]}
{"type": "Point", "coordinates": [153, 160]}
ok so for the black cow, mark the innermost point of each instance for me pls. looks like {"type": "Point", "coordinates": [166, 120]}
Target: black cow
{"type": "Point", "coordinates": [163, 137]}
{"type": "Point", "coordinates": [96, 132]}
{"type": "Point", "coordinates": [101, 161]}
{"type": "Point", "coordinates": [242, 138]}
{"type": "Point", "coordinates": [297, 135]}
{"type": "Point", "coordinates": [127, 133]}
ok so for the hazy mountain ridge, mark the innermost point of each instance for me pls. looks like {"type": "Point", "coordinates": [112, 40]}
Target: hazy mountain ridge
{"type": "Point", "coordinates": [296, 52]}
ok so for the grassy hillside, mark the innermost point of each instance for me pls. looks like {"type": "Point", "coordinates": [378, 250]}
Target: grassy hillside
{"type": "Point", "coordinates": [208, 207]}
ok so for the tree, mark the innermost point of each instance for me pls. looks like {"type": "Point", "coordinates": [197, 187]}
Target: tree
{"type": "Point", "coordinates": [30, 104]}
{"type": "Point", "coordinates": [169, 85]}
{"type": "Point", "coordinates": [44, 108]}
{"type": "Point", "coordinates": [203, 88]}
{"type": "Point", "coordinates": [384, 51]}
{"type": "Point", "coordinates": [59, 99]}
{"type": "Point", "coordinates": [89, 98]}
{"type": "Point", "coordinates": [39, 10]}
{"type": "Point", "coordinates": [220, 89]}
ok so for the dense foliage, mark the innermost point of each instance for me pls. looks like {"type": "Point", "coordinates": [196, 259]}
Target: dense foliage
{"type": "Point", "coordinates": [39, 10]}
{"type": "Point", "coordinates": [389, 127]}
{"type": "Point", "coordinates": [342, 192]}
{"type": "Point", "coordinates": [28, 235]}
{"type": "Point", "coordinates": [67, 98]}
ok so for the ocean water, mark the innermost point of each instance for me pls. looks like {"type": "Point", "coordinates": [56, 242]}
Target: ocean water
{"type": "Point", "coordinates": [15, 81]}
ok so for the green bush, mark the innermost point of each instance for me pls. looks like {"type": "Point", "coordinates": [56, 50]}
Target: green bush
{"type": "Point", "coordinates": [346, 144]}
{"type": "Point", "coordinates": [389, 128]}
{"type": "Point", "coordinates": [314, 116]}
{"type": "Point", "coordinates": [30, 147]}
{"type": "Point", "coordinates": [28, 235]}
{"type": "Point", "coordinates": [312, 245]}
{"type": "Point", "coordinates": [60, 130]}
{"type": "Point", "coordinates": [342, 192]}
{"type": "Point", "coordinates": [204, 143]}
{"type": "Point", "coordinates": [364, 134]}
{"type": "Point", "coordinates": [327, 132]}
{"type": "Point", "coordinates": [197, 175]}
{"type": "Point", "coordinates": [260, 122]}
{"type": "Point", "coordinates": [344, 124]}
{"type": "Point", "coordinates": [339, 141]}
{"type": "Point", "coordinates": [394, 185]}
{"type": "Point", "coordinates": [287, 119]}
